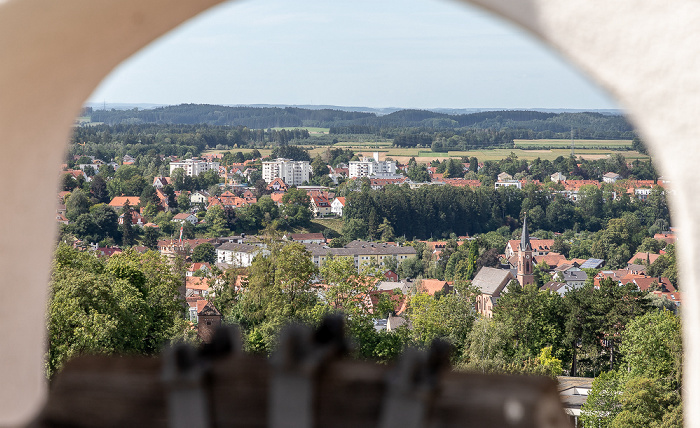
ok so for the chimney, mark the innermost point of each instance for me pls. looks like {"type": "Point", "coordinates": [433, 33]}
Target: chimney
{"type": "Point", "coordinates": [376, 156]}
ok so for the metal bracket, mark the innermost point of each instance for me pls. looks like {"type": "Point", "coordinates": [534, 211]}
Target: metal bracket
{"type": "Point", "coordinates": [300, 356]}
{"type": "Point", "coordinates": [413, 385]}
{"type": "Point", "coordinates": [186, 377]}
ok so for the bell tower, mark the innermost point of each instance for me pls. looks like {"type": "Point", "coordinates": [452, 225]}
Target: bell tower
{"type": "Point", "coordinates": [525, 275]}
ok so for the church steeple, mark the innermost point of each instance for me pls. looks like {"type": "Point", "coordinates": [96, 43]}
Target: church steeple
{"type": "Point", "coordinates": [525, 237]}
{"type": "Point", "coordinates": [525, 261]}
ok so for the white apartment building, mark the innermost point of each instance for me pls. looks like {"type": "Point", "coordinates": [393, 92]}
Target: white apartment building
{"type": "Point", "coordinates": [292, 172]}
{"type": "Point", "coordinates": [371, 167]}
{"type": "Point", "coordinates": [194, 166]}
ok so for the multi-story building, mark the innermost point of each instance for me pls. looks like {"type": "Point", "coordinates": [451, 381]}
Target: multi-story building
{"type": "Point", "coordinates": [363, 253]}
{"type": "Point", "coordinates": [371, 167]}
{"type": "Point", "coordinates": [292, 172]}
{"type": "Point", "coordinates": [194, 166]}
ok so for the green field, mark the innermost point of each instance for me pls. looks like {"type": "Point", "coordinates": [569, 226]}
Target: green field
{"type": "Point", "coordinates": [311, 129]}
{"type": "Point", "coordinates": [577, 143]}
{"type": "Point", "coordinates": [588, 149]}
{"type": "Point", "coordinates": [363, 146]}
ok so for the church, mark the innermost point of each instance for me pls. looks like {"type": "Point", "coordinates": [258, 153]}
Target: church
{"type": "Point", "coordinates": [493, 281]}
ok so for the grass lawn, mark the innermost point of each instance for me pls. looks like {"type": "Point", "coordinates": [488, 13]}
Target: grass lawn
{"type": "Point", "coordinates": [320, 224]}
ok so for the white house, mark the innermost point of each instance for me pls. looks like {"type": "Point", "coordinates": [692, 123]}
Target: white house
{"type": "Point", "coordinates": [573, 279]}
{"type": "Point", "coordinates": [199, 198]}
{"type": "Point", "coordinates": [611, 177]}
{"type": "Point", "coordinates": [506, 183]}
{"type": "Point", "coordinates": [160, 182]}
{"type": "Point", "coordinates": [504, 176]}
{"type": "Point", "coordinates": [557, 177]}
{"type": "Point", "coordinates": [240, 255]}
{"type": "Point", "coordinates": [337, 206]}
{"type": "Point", "coordinates": [183, 217]}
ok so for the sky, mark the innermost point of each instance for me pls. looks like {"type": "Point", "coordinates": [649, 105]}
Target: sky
{"type": "Point", "coordinates": [370, 53]}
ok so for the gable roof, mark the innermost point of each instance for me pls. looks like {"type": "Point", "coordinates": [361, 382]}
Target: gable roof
{"type": "Point", "coordinates": [196, 283]}
{"type": "Point", "coordinates": [643, 257]}
{"type": "Point", "coordinates": [491, 280]}
{"type": "Point", "coordinates": [119, 201]}
{"type": "Point", "coordinates": [432, 286]}
{"type": "Point", "coordinates": [183, 216]}
{"type": "Point", "coordinates": [207, 310]}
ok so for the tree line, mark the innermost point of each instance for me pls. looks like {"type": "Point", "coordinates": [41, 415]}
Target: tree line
{"type": "Point", "coordinates": [520, 124]}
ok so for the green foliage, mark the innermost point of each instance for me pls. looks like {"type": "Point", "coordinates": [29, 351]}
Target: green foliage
{"type": "Point", "coordinates": [216, 222]}
{"type": "Point", "coordinates": [279, 291]}
{"type": "Point", "coordinates": [204, 253]}
{"type": "Point", "coordinates": [77, 203]}
{"type": "Point", "coordinates": [646, 389]}
{"type": "Point", "coordinates": [126, 304]}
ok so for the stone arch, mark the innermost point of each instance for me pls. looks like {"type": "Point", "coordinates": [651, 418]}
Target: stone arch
{"type": "Point", "coordinates": [644, 52]}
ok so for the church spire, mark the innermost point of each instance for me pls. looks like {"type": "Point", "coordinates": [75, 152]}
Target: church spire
{"type": "Point", "coordinates": [525, 238]}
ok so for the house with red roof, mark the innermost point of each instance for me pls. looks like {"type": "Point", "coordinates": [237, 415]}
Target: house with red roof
{"type": "Point", "coordinates": [194, 267]}
{"type": "Point", "coordinates": [337, 206]}
{"type": "Point", "coordinates": [185, 217]}
{"type": "Point", "coordinates": [197, 285]}
{"type": "Point", "coordinates": [118, 201]}
{"type": "Point", "coordinates": [540, 247]}
{"type": "Point", "coordinates": [320, 205]}
{"type": "Point", "coordinates": [160, 182]}
{"type": "Point", "coordinates": [647, 258]}
{"type": "Point", "coordinates": [277, 185]}
{"type": "Point", "coordinates": [432, 286]}
{"type": "Point", "coordinates": [136, 218]}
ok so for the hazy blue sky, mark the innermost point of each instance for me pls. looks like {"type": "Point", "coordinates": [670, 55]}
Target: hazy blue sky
{"type": "Point", "coordinates": [374, 53]}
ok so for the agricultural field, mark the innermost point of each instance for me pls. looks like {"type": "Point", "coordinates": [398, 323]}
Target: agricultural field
{"type": "Point", "coordinates": [587, 149]}
{"type": "Point", "coordinates": [577, 143]}
{"type": "Point", "coordinates": [311, 129]}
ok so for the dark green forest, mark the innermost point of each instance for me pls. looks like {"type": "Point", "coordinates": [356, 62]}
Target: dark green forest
{"type": "Point", "coordinates": [516, 124]}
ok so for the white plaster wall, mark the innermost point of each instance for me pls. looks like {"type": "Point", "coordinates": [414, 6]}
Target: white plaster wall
{"type": "Point", "coordinates": [54, 53]}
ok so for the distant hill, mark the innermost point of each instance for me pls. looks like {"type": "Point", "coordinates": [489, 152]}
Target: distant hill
{"type": "Point", "coordinates": [528, 123]}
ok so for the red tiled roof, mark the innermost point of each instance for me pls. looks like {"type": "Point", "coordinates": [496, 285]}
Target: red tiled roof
{"type": "Point", "coordinates": [119, 201]}
{"type": "Point", "coordinates": [643, 257]}
{"type": "Point", "coordinates": [431, 286]}
{"type": "Point", "coordinates": [196, 283]}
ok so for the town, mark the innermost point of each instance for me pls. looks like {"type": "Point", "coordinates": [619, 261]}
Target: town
{"type": "Point", "coordinates": [522, 266]}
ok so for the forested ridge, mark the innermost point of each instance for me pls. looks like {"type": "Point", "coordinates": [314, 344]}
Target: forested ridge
{"type": "Point", "coordinates": [519, 124]}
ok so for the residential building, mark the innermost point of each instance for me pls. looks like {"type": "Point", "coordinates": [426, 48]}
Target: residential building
{"type": "Point", "coordinates": [611, 177]}
{"type": "Point", "coordinates": [573, 392]}
{"type": "Point", "coordinates": [540, 247]}
{"type": "Point", "coordinates": [293, 173]}
{"type": "Point", "coordinates": [239, 255]}
{"type": "Point", "coordinates": [320, 206]}
{"type": "Point", "coordinates": [337, 206]}
{"type": "Point", "coordinates": [194, 166]}
{"type": "Point", "coordinates": [277, 185]}
{"type": "Point", "coordinates": [183, 217]}
{"type": "Point", "coordinates": [160, 182]}
{"type": "Point", "coordinates": [362, 252]}
{"type": "Point", "coordinates": [307, 238]}
{"type": "Point", "coordinates": [508, 183]}
{"type": "Point", "coordinates": [573, 279]}
{"type": "Point", "coordinates": [118, 201]}
{"type": "Point", "coordinates": [372, 167]}
{"type": "Point", "coordinates": [557, 177]}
